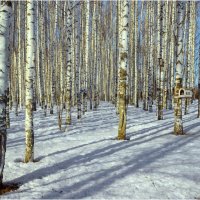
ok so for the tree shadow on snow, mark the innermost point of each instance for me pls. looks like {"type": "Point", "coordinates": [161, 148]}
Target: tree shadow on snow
{"type": "Point", "coordinates": [102, 179]}
{"type": "Point", "coordinates": [105, 178]}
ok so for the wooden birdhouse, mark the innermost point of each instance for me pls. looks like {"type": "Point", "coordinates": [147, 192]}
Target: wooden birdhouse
{"type": "Point", "coordinates": [184, 93]}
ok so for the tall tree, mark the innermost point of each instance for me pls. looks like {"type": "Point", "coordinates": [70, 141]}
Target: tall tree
{"type": "Point", "coordinates": [172, 53]}
{"type": "Point", "coordinates": [5, 16]}
{"type": "Point", "coordinates": [178, 125]}
{"type": "Point", "coordinates": [198, 115]}
{"type": "Point", "coordinates": [150, 63]}
{"type": "Point", "coordinates": [123, 67]}
{"type": "Point", "coordinates": [78, 43]}
{"type": "Point", "coordinates": [69, 63]}
{"type": "Point", "coordinates": [160, 63]}
{"type": "Point", "coordinates": [87, 42]}
{"type": "Point", "coordinates": [30, 63]}
{"type": "Point", "coordinates": [136, 102]}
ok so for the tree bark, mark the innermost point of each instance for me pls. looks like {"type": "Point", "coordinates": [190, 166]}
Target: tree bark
{"type": "Point", "coordinates": [178, 124]}
{"type": "Point", "coordinates": [30, 62]}
{"type": "Point", "coordinates": [5, 15]}
{"type": "Point", "coordinates": [123, 68]}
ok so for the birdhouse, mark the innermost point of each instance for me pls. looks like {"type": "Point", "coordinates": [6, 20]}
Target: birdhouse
{"type": "Point", "coordinates": [184, 93]}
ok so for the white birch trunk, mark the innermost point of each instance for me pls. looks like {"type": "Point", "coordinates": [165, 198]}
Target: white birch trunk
{"type": "Point", "coordinates": [94, 47]}
{"type": "Point", "coordinates": [19, 54]}
{"type": "Point", "coordinates": [165, 52]}
{"type": "Point", "coordinates": [87, 13]}
{"type": "Point", "coordinates": [198, 115]}
{"type": "Point", "coordinates": [150, 71]}
{"type": "Point", "coordinates": [186, 69]}
{"type": "Point", "coordinates": [131, 55]}
{"type": "Point", "coordinates": [69, 64]}
{"type": "Point", "coordinates": [116, 52]}
{"type": "Point", "coordinates": [54, 53]}
{"type": "Point", "coordinates": [172, 55]}
{"type": "Point", "coordinates": [83, 59]}
{"type": "Point", "coordinates": [136, 101]}
{"type": "Point", "coordinates": [119, 21]}
{"type": "Point", "coordinates": [160, 64]}
{"type": "Point", "coordinates": [5, 15]}
{"type": "Point", "coordinates": [193, 24]}
{"type": "Point", "coordinates": [123, 68]}
{"type": "Point", "coordinates": [178, 124]}
{"type": "Point", "coordinates": [78, 62]}
{"type": "Point", "coordinates": [30, 62]}
{"type": "Point", "coordinates": [146, 60]}
{"type": "Point", "coordinates": [40, 52]}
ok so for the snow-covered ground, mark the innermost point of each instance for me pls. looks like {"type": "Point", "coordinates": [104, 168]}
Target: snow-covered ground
{"type": "Point", "coordinates": [85, 161]}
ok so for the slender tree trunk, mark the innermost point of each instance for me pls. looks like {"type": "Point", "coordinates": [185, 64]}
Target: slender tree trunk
{"type": "Point", "coordinates": [87, 13]}
{"type": "Point", "coordinates": [178, 125]}
{"type": "Point", "coordinates": [146, 61]}
{"type": "Point", "coordinates": [116, 52]}
{"type": "Point", "coordinates": [30, 59]}
{"type": "Point", "coordinates": [83, 59]}
{"type": "Point", "coordinates": [150, 70]}
{"type": "Point", "coordinates": [160, 64]}
{"type": "Point", "coordinates": [136, 101]}
{"type": "Point", "coordinates": [165, 53]}
{"type": "Point", "coordinates": [172, 55]}
{"type": "Point", "coordinates": [131, 56]}
{"type": "Point", "coordinates": [78, 62]}
{"type": "Point", "coordinates": [186, 38]}
{"type": "Point", "coordinates": [5, 15]}
{"type": "Point", "coordinates": [198, 115]}
{"type": "Point", "coordinates": [192, 44]}
{"type": "Point", "coordinates": [123, 68]}
{"type": "Point", "coordinates": [19, 54]}
{"type": "Point", "coordinates": [119, 25]}
{"type": "Point", "coordinates": [69, 65]}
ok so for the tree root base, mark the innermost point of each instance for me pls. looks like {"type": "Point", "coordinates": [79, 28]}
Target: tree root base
{"type": "Point", "coordinates": [125, 139]}
{"type": "Point", "coordinates": [5, 188]}
{"type": "Point", "coordinates": [177, 134]}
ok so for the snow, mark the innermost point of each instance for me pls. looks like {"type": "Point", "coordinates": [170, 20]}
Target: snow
{"type": "Point", "coordinates": [85, 161]}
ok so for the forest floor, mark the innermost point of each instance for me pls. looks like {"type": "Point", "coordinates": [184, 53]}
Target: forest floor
{"type": "Point", "coordinates": [85, 161]}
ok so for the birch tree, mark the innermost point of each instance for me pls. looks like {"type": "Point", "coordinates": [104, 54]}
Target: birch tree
{"type": "Point", "coordinates": [136, 57]}
{"type": "Point", "coordinates": [123, 68]}
{"type": "Point", "coordinates": [78, 43]}
{"type": "Point", "coordinates": [87, 13]}
{"type": "Point", "coordinates": [178, 125]}
{"type": "Point", "coordinates": [69, 63]}
{"type": "Point", "coordinates": [19, 54]}
{"type": "Point", "coordinates": [186, 69]}
{"type": "Point", "coordinates": [172, 53]}
{"type": "Point", "coordinates": [146, 53]}
{"type": "Point", "coordinates": [97, 55]}
{"type": "Point", "coordinates": [192, 42]}
{"type": "Point", "coordinates": [5, 16]}
{"type": "Point", "coordinates": [30, 63]}
{"type": "Point", "coordinates": [160, 63]}
{"type": "Point", "coordinates": [198, 115]}
{"type": "Point", "coordinates": [165, 53]}
{"type": "Point", "coordinates": [150, 70]}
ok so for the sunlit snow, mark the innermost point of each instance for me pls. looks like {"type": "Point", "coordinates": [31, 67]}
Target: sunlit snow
{"type": "Point", "coordinates": [85, 160]}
